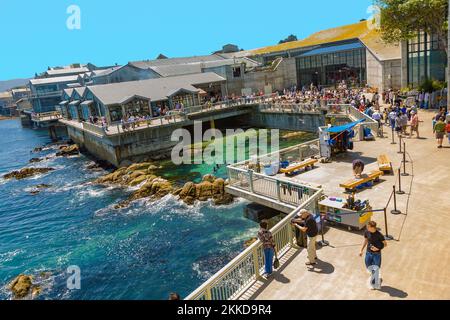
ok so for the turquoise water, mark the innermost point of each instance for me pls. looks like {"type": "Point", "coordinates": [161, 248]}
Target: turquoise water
{"type": "Point", "coordinates": [142, 252]}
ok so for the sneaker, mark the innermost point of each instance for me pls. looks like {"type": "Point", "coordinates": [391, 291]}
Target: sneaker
{"type": "Point", "coordinates": [310, 263]}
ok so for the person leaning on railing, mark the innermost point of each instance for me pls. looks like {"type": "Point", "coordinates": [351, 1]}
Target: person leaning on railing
{"type": "Point", "coordinates": [266, 237]}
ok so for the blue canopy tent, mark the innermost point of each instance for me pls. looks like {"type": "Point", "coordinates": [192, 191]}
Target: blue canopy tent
{"type": "Point", "coordinates": [337, 139]}
{"type": "Point", "coordinates": [345, 127]}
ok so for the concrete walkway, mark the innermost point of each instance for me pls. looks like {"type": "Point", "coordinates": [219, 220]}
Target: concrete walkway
{"type": "Point", "coordinates": [416, 265]}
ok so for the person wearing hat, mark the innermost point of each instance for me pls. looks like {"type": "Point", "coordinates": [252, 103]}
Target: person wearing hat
{"type": "Point", "coordinates": [414, 123]}
{"type": "Point", "coordinates": [309, 226]}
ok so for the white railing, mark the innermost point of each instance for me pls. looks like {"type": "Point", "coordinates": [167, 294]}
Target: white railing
{"type": "Point", "coordinates": [45, 116]}
{"type": "Point", "coordinates": [289, 108]}
{"type": "Point", "coordinates": [358, 115]}
{"type": "Point", "coordinates": [277, 189]}
{"type": "Point", "coordinates": [246, 269]}
{"type": "Point", "coordinates": [295, 153]}
{"type": "Point", "coordinates": [354, 114]}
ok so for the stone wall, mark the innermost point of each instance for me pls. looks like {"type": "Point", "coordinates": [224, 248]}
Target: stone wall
{"type": "Point", "coordinates": [383, 74]}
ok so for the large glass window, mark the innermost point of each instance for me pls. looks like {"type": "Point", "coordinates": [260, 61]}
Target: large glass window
{"type": "Point", "coordinates": [425, 59]}
{"type": "Point", "coordinates": [332, 68]}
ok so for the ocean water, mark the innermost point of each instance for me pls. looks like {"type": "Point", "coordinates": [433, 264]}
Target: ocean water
{"type": "Point", "coordinates": [141, 252]}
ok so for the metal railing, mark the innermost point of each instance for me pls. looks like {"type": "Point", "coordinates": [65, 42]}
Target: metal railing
{"type": "Point", "coordinates": [45, 116]}
{"type": "Point", "coordinates": [289, 107]}
{"type": "Point", "coordinates": [277, 189]}
{"type": "Point", "coordinates": [354, 114]}
{"type": "Point", "coordinates": [298, 152]}
{"type": "Point", "coordinates": [246, 269]}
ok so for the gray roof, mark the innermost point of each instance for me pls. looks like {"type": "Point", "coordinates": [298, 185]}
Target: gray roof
{"type": "Point", "coordinates": [68, 92]}
{"type": "Point", "coordinates": [176, 69]}
{"type": "Point", "coordinates": [54, 80]}
{"type": "Point", "coordinates": [80, 90]}
{"type": "Point", "coordinates": [65, 71]}
{"type": "Point", "coordinates": [152, 89]}
{"type": "Point", "coordinates": [146, 64]}
{"type": "Point", "coordinates": [105, 72]}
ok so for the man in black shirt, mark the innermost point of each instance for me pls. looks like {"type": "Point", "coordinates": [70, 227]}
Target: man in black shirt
{"type": "Point", "coordinates": [309, 226]}
{"type": "Point", "coordinates": [375, 242]}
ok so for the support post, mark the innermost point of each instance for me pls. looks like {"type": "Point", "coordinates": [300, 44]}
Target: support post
{"type": "Point", "coordinates": [323, 242]}
{"type": "Point", "coordinates": [405, 174]}
{"type": "Point", "coordinates": [256, 263]}
{"type": "Point", "coordinates": [395, 211]}
{"type": "Point", "coordinates": [393, 137]}
{"type": "Point", "coordinates": [387, 236]}
{"type": "Point", "coordinates": [279, 190]}
{"type": "Point", "coordinates": [400, 191]}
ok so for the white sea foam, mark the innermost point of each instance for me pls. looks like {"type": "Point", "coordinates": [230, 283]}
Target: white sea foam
{"type": "Point", "coordinates": [9, 256]}
{"type": "Point", "coordinates": [201, 274]}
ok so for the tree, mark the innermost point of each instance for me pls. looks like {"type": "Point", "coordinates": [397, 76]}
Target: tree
{"type": "Point", "coordinates": [402, 19]}
{"type": "Point", "coordinates": [291, 38]}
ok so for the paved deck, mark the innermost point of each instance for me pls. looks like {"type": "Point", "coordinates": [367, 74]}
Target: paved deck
{"type": "Point", "coordinates": [416, 265]}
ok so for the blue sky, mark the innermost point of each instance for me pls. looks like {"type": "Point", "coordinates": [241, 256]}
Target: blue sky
{"type": "Point", "coordinates": [34, 33]}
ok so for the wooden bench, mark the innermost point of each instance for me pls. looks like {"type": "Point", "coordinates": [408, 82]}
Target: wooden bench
{"type": "Point", "coordinates": [385, 164]}
{"type": "Point", "coordinates": [292, 169]}
{"type": "Point", "coordinates": [352, 184]}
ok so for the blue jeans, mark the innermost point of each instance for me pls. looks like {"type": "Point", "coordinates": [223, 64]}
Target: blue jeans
{"type": "Point", "coordinates": [373, 259]}
{"type": "Point", "coordinates": [268, 260]}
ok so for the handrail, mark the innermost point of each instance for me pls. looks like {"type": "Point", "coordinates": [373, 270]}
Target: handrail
{"type": "Point", "coordinates": [244, 270]}
{"type": "Point", "coordinates": [281, 152]}
{"type": "Point", "coordinates": [43, 115]}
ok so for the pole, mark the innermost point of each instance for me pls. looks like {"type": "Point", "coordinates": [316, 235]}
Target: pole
{"type": "Point", "coordinates": [323, 242]}
{"type": "Point", "coordinates": [404, 152]}
{"type": "Point", "coordinates": [400, 191]}
{"type": "Point", "coordinates": [405, 174]}
{"type": "Point", "coordinates": [393, 138]}
{"type": "Point", "coordinates": [400, 144]}
{"type": "Point", "coordinates": [387, 236]}
{"type": "Point", "coordinates": [395, 211]}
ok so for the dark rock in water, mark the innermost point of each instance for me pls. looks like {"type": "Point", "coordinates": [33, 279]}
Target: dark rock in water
{"type": "Point", "coordinates": [210, 188]}
{"type": "Point", "coordinates": [21, 286]}
{"type": "Point", "coordinates": [36, 160]}
{"type": "Point", "coordinates": [37, 149]}
{"type": "Point", "coordinates": [66, 151]}
{"type": "Point", "coordinates": [100, 165]}
{"type": "Point", "coordinates": [37, 189]}
{"type": "Point", "coordinates": [26, 173]}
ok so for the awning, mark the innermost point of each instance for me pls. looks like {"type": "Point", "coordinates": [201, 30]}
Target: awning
{"type": "Point", "coordinates": [87, 103]}
{"type": "Point", "coordinates": [345, 127]}
{"type": "Point", "coordinates": [63, 103]}
{"type": "Point", "coordinates": [74, 103]}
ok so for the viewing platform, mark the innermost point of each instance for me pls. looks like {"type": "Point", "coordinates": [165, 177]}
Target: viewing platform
{"type": "Point", "coordinates": [414, 262]}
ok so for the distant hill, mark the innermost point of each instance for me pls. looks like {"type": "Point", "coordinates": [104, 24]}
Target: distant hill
{"type": "Point", "coordinates": [9, 84]}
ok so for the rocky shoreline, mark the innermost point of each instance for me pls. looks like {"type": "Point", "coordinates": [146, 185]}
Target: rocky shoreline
{"type": "Point", "coordinates": [152, 186]}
